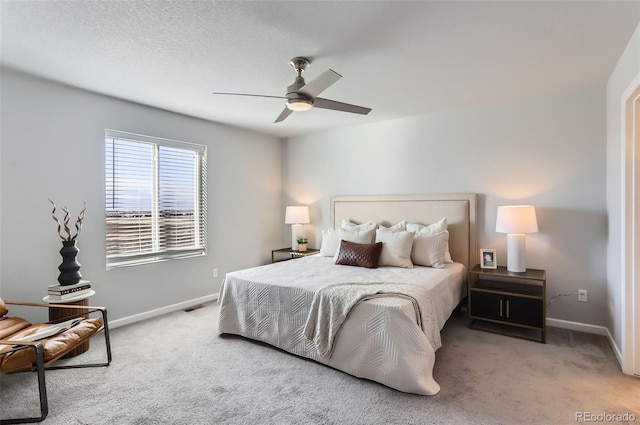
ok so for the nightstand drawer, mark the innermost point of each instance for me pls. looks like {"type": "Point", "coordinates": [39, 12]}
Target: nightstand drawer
{"type": "Point", "coordinates": [486, 305]}
{"type": "Point", "coordinates": [524, 311]}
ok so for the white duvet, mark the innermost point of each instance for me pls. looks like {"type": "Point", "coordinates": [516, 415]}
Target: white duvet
{"type": "Point", "coordinates": [381, 338]}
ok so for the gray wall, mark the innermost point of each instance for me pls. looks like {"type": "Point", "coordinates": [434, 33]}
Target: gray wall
{"type": "Point", "coordinates": [549, 152]}
{"type": "Point", "coordinates": [627, 69]}
{"type": "Point", "coordinates": [53, 147]}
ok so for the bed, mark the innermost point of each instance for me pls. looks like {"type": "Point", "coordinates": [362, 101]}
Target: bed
{"type": "Point", "coordinates": [388, 338]}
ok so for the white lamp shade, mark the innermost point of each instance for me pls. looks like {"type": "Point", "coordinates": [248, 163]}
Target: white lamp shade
{"type": "Point", "coordinates": [296, 215]}
{"type": "Point", "coordinates": [516, 219]}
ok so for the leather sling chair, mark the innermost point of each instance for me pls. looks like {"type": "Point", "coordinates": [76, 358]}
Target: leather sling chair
{"type": "Point", "coordinates": [18, 354]}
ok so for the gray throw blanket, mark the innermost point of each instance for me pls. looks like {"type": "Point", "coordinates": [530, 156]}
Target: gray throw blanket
{"type": "Point", "coordinates": [332, 304]}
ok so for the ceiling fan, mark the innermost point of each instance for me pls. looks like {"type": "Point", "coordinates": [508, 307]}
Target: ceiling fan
{"type": "Point", "coordinates": [302, 96]}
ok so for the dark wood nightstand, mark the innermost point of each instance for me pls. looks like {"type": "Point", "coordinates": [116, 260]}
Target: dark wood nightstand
{"type": "Point", "coordinates": [508, 303]}
{"type": "Point", "coordinates": [291, 254]}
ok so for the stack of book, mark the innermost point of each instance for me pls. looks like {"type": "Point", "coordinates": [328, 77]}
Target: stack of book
{"type": "Point", "coordinates": [64, 292]}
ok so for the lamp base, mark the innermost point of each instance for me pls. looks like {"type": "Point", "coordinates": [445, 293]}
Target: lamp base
{"type": "Point", "coordinates": [516, 253]}
{"type": "Point", "coordinates": [296, 231]}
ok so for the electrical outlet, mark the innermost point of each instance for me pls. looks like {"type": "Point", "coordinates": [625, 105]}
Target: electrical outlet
{"type": "Point", "coordinates": [582, 295]}
{"type": "Point", "coordinates": [215, 272]}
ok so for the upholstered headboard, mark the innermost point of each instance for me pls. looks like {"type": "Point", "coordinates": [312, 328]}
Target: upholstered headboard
{"type": "Point", "coordinates": [459, 209]}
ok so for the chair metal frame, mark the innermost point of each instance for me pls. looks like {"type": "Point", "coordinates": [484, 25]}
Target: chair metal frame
{"type": "Point", "coordinates": [40, 365]}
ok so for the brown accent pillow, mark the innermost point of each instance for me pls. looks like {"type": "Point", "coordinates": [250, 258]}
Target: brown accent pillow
{"type": "Point", "coordinates": [359, 254]}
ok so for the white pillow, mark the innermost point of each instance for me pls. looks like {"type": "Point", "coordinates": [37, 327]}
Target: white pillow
{"type": "Point", "coordinates": [429, 249]}
{"type": "Point", "coordinates": [431, 229]}
{"type": "Point", "coordinates": [330, 242]}
{"type": "Point", "coordinates": [357, 235]}
{"type": "Point", "coordinates": [398, 227]}
{"type": "Point", "coordinates": [348, 224]}
{"type": "Point", "coordinates": [396, 248]}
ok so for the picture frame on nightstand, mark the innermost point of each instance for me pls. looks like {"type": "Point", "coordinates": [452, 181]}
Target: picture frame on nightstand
{"type": "Point", "coordinates": [488, 258]}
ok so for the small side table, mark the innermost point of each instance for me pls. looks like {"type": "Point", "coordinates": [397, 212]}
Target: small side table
{"type": "Point", "coordinates": [292, 253]}
{"type": "Point", "coordinates": [60, 314]}
{"type": "Point", "coordinates": [508, 303]}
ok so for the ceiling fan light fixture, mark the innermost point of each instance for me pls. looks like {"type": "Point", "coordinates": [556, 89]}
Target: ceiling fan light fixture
{"type": "Point", "coordinates": [299, 105]}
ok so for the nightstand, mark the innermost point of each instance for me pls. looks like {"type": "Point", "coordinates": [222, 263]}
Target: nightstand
{"type": "Point", "coordinates": [508, 303]}
{"type": "Point", "coordinates": [57, 314]}
{"type": "Point", "coordinates": [291, 254]}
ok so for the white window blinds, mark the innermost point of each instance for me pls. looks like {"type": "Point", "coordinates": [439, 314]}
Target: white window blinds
{"type": "Point", "coordinates": [156, 206]}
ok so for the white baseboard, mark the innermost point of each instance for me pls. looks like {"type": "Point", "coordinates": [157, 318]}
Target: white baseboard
{"type": "Point", "coordinates": [590, 329]}
{"type": "Point", "coordinates": [577, 326]}
{"type": "Point", "coordinates": [162, 310]}
{"type": "Point", "coordinates": [614, 347]}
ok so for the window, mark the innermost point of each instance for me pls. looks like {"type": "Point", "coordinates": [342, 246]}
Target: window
{"type": "Point", "coordinates": [156, 205]}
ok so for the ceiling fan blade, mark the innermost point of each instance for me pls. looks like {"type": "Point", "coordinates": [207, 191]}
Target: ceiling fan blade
{"type": "Point", "coordinates": [319, 102]}
{"type": "Point", "coordinates": [253, 95]}
{"type": "Point", "coordinates": [320, 83]}
{"type": "Point", "coordinates": [283, 115]}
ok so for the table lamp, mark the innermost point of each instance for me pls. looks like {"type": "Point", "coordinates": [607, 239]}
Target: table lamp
{"type": "Point", "coordinates": [296, 217]}
{"type": "Point", "coordinates": [516, 221]}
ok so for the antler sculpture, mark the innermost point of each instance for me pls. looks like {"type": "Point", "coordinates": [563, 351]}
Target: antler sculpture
{"type": "Point", "coordinates": [67, 230]}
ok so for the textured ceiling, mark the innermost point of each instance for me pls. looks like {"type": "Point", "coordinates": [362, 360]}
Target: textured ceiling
{"type": "Point", "coordinates": [398, 58]}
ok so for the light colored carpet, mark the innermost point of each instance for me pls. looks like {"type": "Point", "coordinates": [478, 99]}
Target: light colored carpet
{"type": "Point", "coordinates": [177, 370]}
